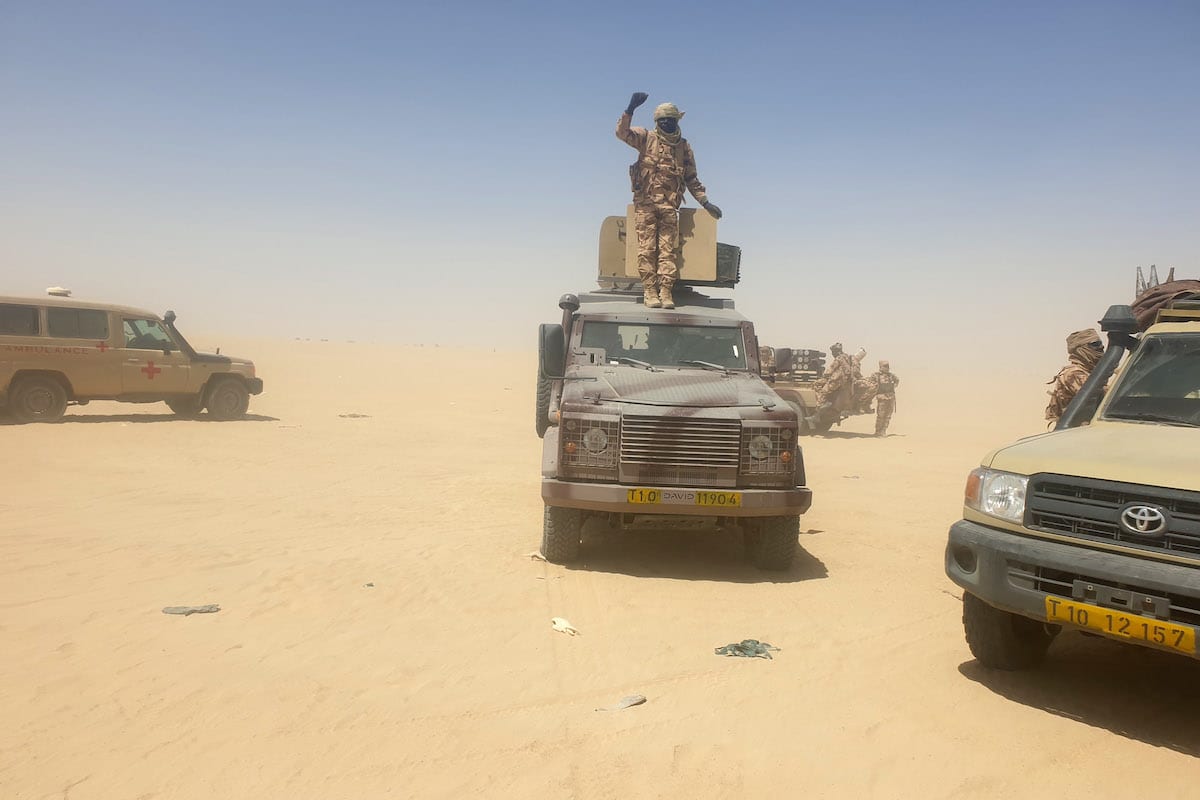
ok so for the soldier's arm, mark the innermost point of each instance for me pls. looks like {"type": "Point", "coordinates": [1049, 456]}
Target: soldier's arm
{"type": "Point", "coordinates": [690, 178]}
{"type": "Point", "coordinates": [634, 137]}
{"type": "Point", "coordinates": [895, 379]}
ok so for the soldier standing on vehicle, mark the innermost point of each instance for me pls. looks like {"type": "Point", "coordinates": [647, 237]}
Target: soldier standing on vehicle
{"type": "Point", "coordinates": [664, 167]}
{"type": "Point", "coordinates": [883, 384]}
{"type": "Point", "coordinates": [1084, 349]}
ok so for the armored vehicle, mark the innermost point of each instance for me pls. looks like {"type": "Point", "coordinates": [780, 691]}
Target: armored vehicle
{"type": "Point", "coordinates": [654, 418]}
{"type": "Point", "coordinates": [56, 350]}
{"type": "Point", "coordinates": [1094, 526]}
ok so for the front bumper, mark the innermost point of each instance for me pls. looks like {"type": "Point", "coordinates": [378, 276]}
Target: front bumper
{"type": "Point", "coordinates": [254, 385]}
{"type": "Point", "coordinates": [1004, 561]}
{"type": "Point", "coordinates": [676, 500]}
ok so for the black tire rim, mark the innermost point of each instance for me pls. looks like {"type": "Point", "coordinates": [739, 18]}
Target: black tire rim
{"type": "Point", "coordinates": [40, 401]}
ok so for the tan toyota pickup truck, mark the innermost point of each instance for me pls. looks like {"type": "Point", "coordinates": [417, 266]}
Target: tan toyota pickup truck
{"type": "Point", "coordinates": [55, 351]}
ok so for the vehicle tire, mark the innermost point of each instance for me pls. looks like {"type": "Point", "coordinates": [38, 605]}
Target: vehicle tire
{"type": "Point", "coordinates": [187, 407]}
{"type": "Point", "coordinates": [562, 530]}
{"type": "Point", "coordinates": [1002, 640]}
{"type": "Point", "coordinates": [542, 422]}
{"type": "Point", "coordinates": [37, 398]}
{"type": "Point", "coordinates": [228, 399]}
{"type": "Point", "coordinates": [771, 542]}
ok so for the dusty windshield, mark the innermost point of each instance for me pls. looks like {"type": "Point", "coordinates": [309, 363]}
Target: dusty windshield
{"type": "Point", "coordinates": [666, 345]}
{"type": "Point", "coordinates": [1161, 382]}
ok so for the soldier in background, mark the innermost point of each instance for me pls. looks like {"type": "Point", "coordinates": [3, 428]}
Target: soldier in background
{"type": "Point", "coordinates": [883, 385]}
{"type": "Point", "coordinates": [840, 373]}
{"type": "Point", "coordinates": [665, 166]}
{"type": "Point", "coordinates": [1084, 349]}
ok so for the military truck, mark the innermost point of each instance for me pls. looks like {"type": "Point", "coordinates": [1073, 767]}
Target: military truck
{"type": "Point", "coordinates": [658, 418]}
{"type": "Point", "coordinates": [1094, 526]}
{"type": "Point", "coordinates": [795, 375]}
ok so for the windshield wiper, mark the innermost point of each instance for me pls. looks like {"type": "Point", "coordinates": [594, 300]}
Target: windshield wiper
{"type": "Point", "coordinates": [706, 365]}
{"type": "Point", "coordinates": [1145, 416]}
{"type": "Point", "coordinates": [636, 363]}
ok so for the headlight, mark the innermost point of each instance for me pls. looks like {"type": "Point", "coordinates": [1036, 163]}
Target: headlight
{"type": "Point", "coordinates": [595, 440]}
{"type": "Point", "coordinates": [997, 494]}
{"type": "Point", "coordinates": [760, 447]}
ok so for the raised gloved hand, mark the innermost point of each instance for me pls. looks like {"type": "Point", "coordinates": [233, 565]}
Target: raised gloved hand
{"type": "Point", "coordinates": [713, 209]}
{"type": "Point", "coordinates": [636, 100]}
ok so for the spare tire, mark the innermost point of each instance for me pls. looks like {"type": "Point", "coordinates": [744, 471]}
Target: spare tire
{"type": "Point", "coordinates": [542, 406]}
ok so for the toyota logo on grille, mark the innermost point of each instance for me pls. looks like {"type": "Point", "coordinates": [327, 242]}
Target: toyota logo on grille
{"type": "Point", "coordinates": [1143, 520]}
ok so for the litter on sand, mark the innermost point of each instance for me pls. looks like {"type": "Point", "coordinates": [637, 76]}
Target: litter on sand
{"type": "Point", "coordinates": [536, 556]}
{"type": "Point", "coordinates": [626, 702]}
{"type": "Point", "coordinates": [562, 626]}
{"type": "Point", "coordinates": [184, 611]}
{"type": "Point", "coordinates": [747, 648]}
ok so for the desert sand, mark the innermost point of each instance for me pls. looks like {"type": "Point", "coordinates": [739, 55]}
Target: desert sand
{"type": "Point", "coordinates": [383, 631]}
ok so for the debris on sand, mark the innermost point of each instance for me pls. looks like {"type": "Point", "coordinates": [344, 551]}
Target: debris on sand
{"type": "Point", "coordinates": [184, 611]}
{"type": "Point", "coordinates": [562, 626]}
{"type": "Point", "coordinates": [353, 415]}
{"type": "Point", "coordinates": [536, 556]}
{"type": "Point", "coordinates": [628, 701]}
{"type": "Point", "coordinates": [747, 648]}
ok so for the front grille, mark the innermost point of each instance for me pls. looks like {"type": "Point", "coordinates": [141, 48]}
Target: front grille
{"type": "Point", "coordinates": [680, 451]}
{"type": "Point", "coordinates": [1061, 584]}
{"type": "Point", "coordinates": [1090, 509]}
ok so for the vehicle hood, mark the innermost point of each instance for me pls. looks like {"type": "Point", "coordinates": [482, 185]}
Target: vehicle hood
{"type": "Point", "coordinates": [669, 387]}
{"type": "Point", "coordinates": [1131, 452]}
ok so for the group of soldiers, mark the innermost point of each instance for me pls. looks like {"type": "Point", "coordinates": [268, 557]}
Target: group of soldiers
{"type": "Point", "coordinates": [845, 374]}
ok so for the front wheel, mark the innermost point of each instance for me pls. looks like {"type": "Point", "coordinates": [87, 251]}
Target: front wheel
{"type": "Point", "coordinates": [229, 399]}
{"type": "Point", "coordinates": [37, 399]}
{"type": "Point", "coordinates": [771, 542]}
{"type": "Point", "coordinates": [1002, 640]}
{"type": "Point", "coordinates": [562, 531]}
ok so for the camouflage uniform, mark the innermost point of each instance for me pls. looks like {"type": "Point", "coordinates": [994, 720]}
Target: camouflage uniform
{"type": "Point", "coordinates": [883, 384]}
{"type": "Point", "coordinates": [659, 175]}
{"type": "Point", "coordinates": [839, 373]}
{"type": "Point", "coordinates": [1083, 355]}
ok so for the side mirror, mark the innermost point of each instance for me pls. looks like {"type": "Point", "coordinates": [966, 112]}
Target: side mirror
{"type": "Point", "coordinates": [552, 351]}
{"type": "Point", "coordinates": [169, 317]}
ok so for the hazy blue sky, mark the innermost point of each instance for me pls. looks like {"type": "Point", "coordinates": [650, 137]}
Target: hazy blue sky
{"type": "Point", "coordinates": [390, 170]}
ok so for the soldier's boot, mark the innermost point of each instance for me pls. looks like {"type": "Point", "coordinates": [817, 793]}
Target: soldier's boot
{"type": "Point", "coordinates": [664, 294]}
{"type": "Point", "coordinates": [650, 291]}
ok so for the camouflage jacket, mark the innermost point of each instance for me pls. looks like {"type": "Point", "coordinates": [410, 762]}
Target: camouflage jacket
{"type": "Point", "coordinates": [662, 169]}
{"type": "Point", "coordinates": [883, 384]}
{"type": "Point", "coordinates": [1065, 385]}
{"type": "Point", "coordinates": [840, 372]}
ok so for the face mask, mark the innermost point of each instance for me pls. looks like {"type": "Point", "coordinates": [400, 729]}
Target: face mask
{"type": "Point", "coordinates": [668, 125]}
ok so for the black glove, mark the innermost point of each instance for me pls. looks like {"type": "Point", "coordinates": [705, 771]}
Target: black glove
{"type": "Point", "coordinates": [712, 209]}
{"type": "Point", "coordinates": [636, 100]}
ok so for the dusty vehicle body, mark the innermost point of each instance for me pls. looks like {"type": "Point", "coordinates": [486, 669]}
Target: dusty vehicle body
{"type": "Point", "coordinates": [1094, 526]}
{"type": "Point", "coordinates": [654, 417]}
{"type": "Point", "coordinates": [56, 351]}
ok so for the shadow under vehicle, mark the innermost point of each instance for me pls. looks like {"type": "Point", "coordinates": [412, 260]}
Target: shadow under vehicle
{"type": "Point", "coordinates": [1094, 526]}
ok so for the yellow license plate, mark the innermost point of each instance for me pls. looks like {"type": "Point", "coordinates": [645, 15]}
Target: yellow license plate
{"type": "Point", "coordinates": [684, 497]}
{"type": "Point", "coordinates": [1120, 625]}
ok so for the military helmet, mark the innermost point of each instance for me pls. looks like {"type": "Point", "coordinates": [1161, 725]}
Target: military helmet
{"type": "Point", "coordinates": [665, 110]}
{"type": "Point", "coordinates": [836, 348]}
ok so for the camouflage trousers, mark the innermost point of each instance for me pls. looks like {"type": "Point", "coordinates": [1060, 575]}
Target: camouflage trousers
{"type": "Point", "coordinates": [657, 242]}
{"type": "Point", "coordinates": [884, 408]}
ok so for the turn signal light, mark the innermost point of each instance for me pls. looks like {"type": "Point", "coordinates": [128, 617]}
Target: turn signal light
{"type": "Point", "coordinates": [569, 448]}
{"type": "Point", "coordinates": [785, 456]}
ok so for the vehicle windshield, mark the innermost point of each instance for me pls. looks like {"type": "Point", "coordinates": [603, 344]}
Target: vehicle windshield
{"type": "Point", "coordinates": [1161, 382]}
{"type": "Point", "coordinates": [147, 334]}
{"type": "Point", "coordinates": [666, 345]}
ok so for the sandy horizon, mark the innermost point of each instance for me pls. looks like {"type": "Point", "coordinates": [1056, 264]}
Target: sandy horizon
{"type": "Point", "coordinates": [384, 633]}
